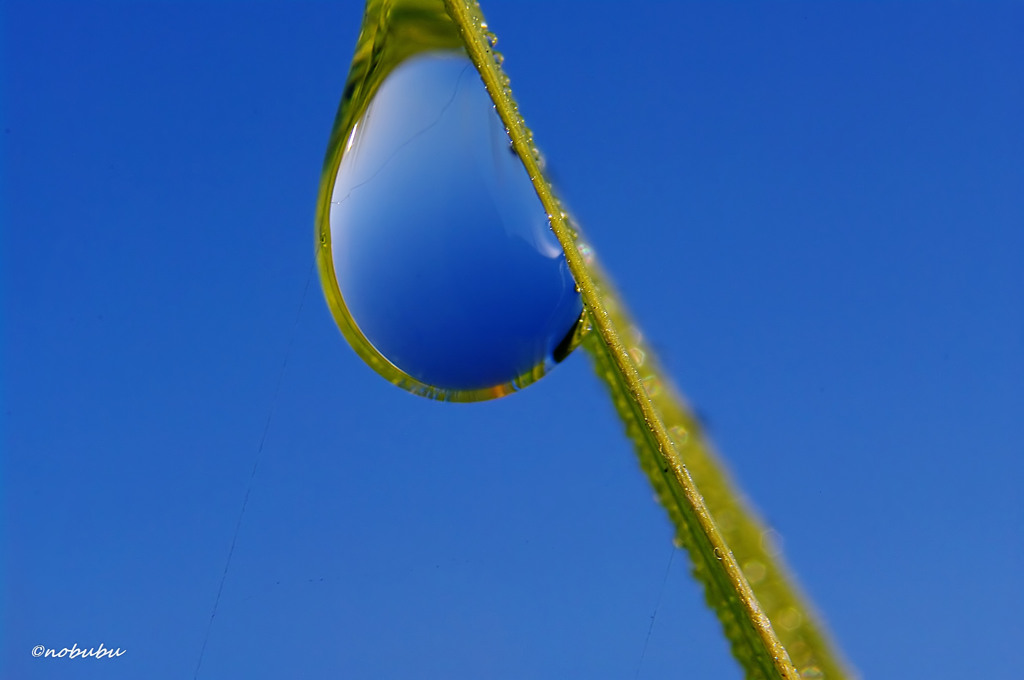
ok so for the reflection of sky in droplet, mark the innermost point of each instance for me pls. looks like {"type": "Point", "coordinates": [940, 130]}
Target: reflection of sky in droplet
{"type": "Point", "coordinates": [442, 250]}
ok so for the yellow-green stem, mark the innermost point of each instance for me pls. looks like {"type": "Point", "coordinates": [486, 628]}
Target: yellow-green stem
{"type": "Point", "coordinates": [754, 641]}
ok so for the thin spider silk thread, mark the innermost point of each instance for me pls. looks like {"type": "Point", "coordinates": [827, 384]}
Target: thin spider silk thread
{"type": "Point", "coordinates": [650, 629]}
{"type": "Point", "coordinates": [255, 466]}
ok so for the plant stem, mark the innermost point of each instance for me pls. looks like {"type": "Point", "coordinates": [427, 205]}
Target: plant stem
{"type": "Point", "coordinates": [660, 426]}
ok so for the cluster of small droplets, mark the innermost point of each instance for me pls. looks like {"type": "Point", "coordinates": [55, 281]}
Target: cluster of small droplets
{"type": "Point", "coordinates": [586, 325]}
{"type": "Point", "coordinates": [785, 617]}
{"type": "Point", "coordinates": [570, 224]}
{"type": "Point", "coordinates": [537, 155]}
{"type": "Point", "coordinates": [492, 41]}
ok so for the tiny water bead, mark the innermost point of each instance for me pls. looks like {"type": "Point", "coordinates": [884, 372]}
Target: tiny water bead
{"type": "Point", "coordinates": [444, 273]}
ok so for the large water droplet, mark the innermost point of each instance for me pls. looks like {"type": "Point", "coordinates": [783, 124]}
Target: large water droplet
{"type": "Point", "coordinates": [443, 270]}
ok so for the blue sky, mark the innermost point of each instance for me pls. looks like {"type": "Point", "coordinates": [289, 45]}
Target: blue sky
{"type": "Point", "coordinates": [815, 211]}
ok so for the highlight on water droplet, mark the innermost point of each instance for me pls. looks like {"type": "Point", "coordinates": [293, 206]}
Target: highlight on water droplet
{"type": "Point", "coordinates": [586, 252]}
{"type": "Point", "coordinates": [652, 385]}
{"type": "Point", "coordinates": [680, 437]}
{"type": "Point", "coordinates": [437, 258]}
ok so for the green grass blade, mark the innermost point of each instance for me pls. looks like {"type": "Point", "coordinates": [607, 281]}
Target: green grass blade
{"type": "Point", "coordinates": [795, 624]}
{"type": "Point", "coordinates": [748, 587]}
{"type": "Point", "coordinates": [669, 443]}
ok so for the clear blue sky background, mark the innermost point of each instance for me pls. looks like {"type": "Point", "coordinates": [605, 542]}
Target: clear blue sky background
{"type": "Point", "coordinates": [815, 210]}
